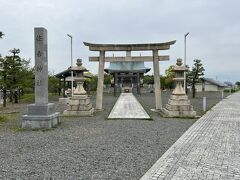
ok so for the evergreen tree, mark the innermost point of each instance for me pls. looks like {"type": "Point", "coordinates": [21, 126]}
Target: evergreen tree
{"type": "Point", "coordinates": [14, 75]}
{"type": "Point", "coordinates": [194, 75]}
{"type": "Point", "coordinates": [1, 34]}
{"type": "Point", "coordinates": [238, 84]}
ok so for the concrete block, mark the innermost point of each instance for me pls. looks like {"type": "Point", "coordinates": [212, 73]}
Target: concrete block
{"type": "Point", "coordinates": [73, 102]}
{"type": "Point", "coordinates": [179, 102]}
{"type": "Point", "coordinates": [179, 97]}
{"type": "Point", "coordinates": [80, 97]}
{"type": "Point", "coordinates": [74, 107]}
{"type": "Point", "coordinates": [85, 107]}
{"type": "Point", "coordinates": [63, 100]}
{"type": "Point", "coordinates": [45, 109]}
{"type": "Point", "coordinates": [79, 113]}
{"type": "Point", "coordinates": [38, 122]}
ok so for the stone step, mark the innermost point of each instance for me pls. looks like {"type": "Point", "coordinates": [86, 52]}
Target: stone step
{"type": "Point", "coordinates": [84, 107]}
{"type": "Point", "coordinates": [179, 107]}
{"type": "Point", "coordinates": [179, 97]}
{"type": "Point", "coordinates": [171, 113]}
{"type": "Point", "coordinates": [78, 101]}
{"type": "Point", "coordinates": [178, 102]}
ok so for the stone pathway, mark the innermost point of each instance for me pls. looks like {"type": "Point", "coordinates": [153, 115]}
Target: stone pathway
{"type": "Point", "coordinates": [209, 149]}
{"type": "Point", "coordinates": [128, 107]}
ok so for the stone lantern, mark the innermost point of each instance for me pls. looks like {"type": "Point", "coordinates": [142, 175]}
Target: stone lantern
{"type": "Point", "coordinates": [79, 78]}
{"type": "Point", "coordinates": [79, 104]}
{"type": "Point", "coordinates": [178, 105]}
{"type": "Point", "coordinates": [179, 77]}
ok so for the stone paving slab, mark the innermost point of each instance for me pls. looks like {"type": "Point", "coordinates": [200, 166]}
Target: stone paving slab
{"type": "Point", "coordinates": [128, 107]}
{"type": "Point", "coordinates": [209, 149]}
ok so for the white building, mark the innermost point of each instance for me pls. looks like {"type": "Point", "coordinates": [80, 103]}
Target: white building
{"type": "Point", "coordinates": [208, 84]}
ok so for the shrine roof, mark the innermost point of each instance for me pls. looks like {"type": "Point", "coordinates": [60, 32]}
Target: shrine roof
{"type": "Point", "coordinates": [127, 67]}
{"type": "Point", "coordinates": [67, 73]}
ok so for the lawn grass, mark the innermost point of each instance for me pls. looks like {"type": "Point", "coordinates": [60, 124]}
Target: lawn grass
{"type": "Point", "coordinates": [3, 119]}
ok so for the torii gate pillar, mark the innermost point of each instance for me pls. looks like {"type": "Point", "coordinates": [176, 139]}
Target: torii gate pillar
{"type": "Point", "coordinates": [100, 81]}
{"type": "Point", "coordinates": [157, 85]}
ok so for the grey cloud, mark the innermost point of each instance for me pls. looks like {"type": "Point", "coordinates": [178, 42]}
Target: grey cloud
{"type": "Point", "coordinates": [213, 27]}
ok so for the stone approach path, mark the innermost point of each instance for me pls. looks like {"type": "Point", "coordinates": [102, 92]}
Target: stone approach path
{"type": "Point", "coordinates": [209, 149]}
{"type": "Point", "coordinates": [128, 107]}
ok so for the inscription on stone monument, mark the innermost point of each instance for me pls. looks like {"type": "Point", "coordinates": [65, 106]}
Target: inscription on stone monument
{"type": "Point", "coordinates": [41, 67]}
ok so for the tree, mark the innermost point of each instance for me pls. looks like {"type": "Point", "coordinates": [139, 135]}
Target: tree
{"type": "Point", "coordinates": [14, 73]}
{"type": "Point", "coordinates": [26, 79]}
{"type": "Point", "coordinates": [238, 83]}
{"type": "Point", "coordinates": [148, 79]}
{"type": "Point", "coordinates": [194, 75]}
{"type": "Point", "coordinates": [53, 84]}
{"type": "Point", "coordinates": [169, 83]}
{"type": "Point", "coordinates": [1, 34]}
{"type": "Point", "coordinates": [162, 82]}
{"type": "Point", "coordinates": [107, 78]}
{"type": "Point", "coordinates": [169, 71]}
{"type": "Point", "coordinates": [93, 83]}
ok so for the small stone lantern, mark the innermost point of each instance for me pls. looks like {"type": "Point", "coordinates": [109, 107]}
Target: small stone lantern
{"type": "Point", "coordinates": [79, 104]}
{"type": "Point", "coordinates": [178, 105]}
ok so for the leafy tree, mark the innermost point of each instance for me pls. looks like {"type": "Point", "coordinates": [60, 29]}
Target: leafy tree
{"type": "Point", "coordinates": [194, 75]}
{"type": "Point", "coordinates": [148, 79]}
{"type": "Point", "coordinates": [93, 83]}
{"type": "Point", "coordinates": [169, 83]}
{"type": "Point", "coordinates": [26, 79]}
{"type": "Point", "coordinates": [162, 82]}
{"type": "Point", "coordinates": [169, 71]}
{"type": "Point", "coordinates": [53, 84]}
{"type": "Point", "coordinates": [14, 75]}
{"type": "Point", "coordinates": [107, 78]}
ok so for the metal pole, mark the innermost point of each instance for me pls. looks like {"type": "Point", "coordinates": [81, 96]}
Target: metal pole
{"type": "Point", "coordinates": [204, 103]}
{"type": "Point", "coordinates": [185, 52]}
{"type": "Point", "coordinates": [71, 65]}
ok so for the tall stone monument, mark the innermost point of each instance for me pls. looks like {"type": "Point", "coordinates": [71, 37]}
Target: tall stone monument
{"type": "Point", "coordinates": [178, 105]}
{"type": "Point", "coordinates": [41, 114]}
{"type": "Point", "coordinates": [79, 104]}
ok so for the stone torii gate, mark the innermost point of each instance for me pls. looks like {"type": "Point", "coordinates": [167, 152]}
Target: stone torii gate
{"type": "Point", "coordinates": [154, 47]}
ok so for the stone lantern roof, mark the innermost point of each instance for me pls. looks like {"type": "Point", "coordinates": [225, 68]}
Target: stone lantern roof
{"type": "Point", "coordinates": [179, 67]}
{"type": "Point", "coordinates": [79, 66]}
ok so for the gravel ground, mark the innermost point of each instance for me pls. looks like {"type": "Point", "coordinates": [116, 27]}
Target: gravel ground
{"type": "Point", "coordinates": [91, 147]}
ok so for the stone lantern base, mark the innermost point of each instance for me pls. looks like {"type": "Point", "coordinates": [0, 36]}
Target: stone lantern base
{"type": "Point", "coordinates": [179, 106]}
{"type": "Point", "coordinates": [79, 105]}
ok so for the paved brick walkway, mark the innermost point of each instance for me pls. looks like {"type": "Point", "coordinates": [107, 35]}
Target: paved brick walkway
{"type": "Point", "coordinates": [209, 149]}
{"type": "Point", "coordinates": [128, 107]}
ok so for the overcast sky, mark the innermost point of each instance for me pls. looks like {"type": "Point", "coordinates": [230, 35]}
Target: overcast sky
{"type": "Point", "coordinates": [213, 26]}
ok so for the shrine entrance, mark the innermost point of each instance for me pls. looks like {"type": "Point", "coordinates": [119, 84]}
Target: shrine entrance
{"type": "Point", "coordinates": [155, 58]}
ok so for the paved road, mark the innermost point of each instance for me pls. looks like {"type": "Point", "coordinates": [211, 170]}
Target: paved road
{"type": "Point", "coordinates": [128, 107]}
{"type": "Point", "coordinates": [210, 149]}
